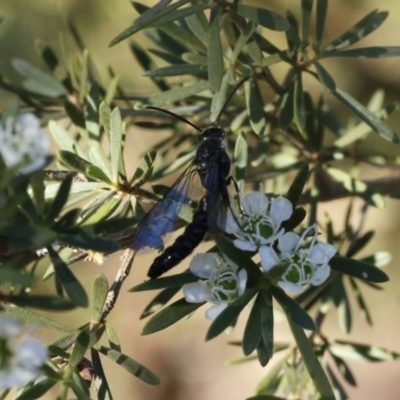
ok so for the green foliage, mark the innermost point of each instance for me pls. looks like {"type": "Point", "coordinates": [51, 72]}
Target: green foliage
{"type": "Point", "coordinates": [86, 205]}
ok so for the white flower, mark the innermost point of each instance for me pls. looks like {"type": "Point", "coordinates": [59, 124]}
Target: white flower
{"type": "Point", "coordinates": [221, 282]}
{"type": "Point", "coordinates": [261, 223]}
{"type": "Point", "coordinates": [21, 355]}
{"type": "Point", "coordinates": [301, 265]}
{"type": "Point", "coordinates": [24, 144]}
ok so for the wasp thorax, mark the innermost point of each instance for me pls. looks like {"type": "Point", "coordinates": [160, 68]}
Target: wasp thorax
{"type": "Point", "coordinates": [212, 132]}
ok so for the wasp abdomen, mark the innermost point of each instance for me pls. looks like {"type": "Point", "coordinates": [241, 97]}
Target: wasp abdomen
{"type": "Point", "coordinates": [184, 244]}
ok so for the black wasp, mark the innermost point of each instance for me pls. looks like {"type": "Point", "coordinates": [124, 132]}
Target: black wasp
{"type": "Point", "coordinates": [212, 164]}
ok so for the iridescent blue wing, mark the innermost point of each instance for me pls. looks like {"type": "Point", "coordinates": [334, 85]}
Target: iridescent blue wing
{"type": "Point", "coordinates": [160, 220]}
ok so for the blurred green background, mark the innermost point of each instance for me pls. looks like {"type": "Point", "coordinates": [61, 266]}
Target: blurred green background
{"type": "Point", "coordinates": [188, 367]}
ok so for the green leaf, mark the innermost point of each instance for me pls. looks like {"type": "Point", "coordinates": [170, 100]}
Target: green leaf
{"type": "Point", "coordinates": [37, 185]}
{"type": "Point", "coordinates": [359, 31]}
{"type": "Point", "coordinates": [241, 259]}
{"type": "Point", "coordinates": [116, 142]}
{"type": "Point", "coordinates": [92, 104]}
{"type": "Point", "coordinates": [322, 7]}
{"type": "Point", "coordinates": [80, 347]}
{"type": "Point", "coordinates": [263, 354]}
{"type": "Point", "coordinates": [267, 325]}
{"type": "Point", "coordinates": [287, 110]}
{"type": "Point", "coordinates": [99, 295]}
{"type": "Point", "coordinates": [230, 313]}
{"type": "Point", "coordinates": [67, 220]}
{"type": "Point", "coordinates": [169, 315]}
{"type": "Point", "coordinates": [179, 14]}
{"type": "Point", "coordinates": [160, 301]}
{"type": "Point", "coordinates": [130, 365]}
{"type": "Point", "coordinates": [219, 98]}
{"type": "Point", "coordinates": [112, 338]}
{"type": "Point", "coordinates": [151, 15]}
{"type": "Point", "coordinates": [74, 113]}
{"type": "Point", "coordinates": [252, 332]}
{"type": "Point", "coordinates": [165, 282]}
{"type": "Point", "coordinates": [44, 302]}
{"type": "Point", "coordinates": [100, 160]}
{"type": "Point", "coordinates": [357, 187]}
{"type": "Point", "coordinates": [344, 311]}
{"type": "Point", "coordinates": [255, 108]}
{"type": "Point", "coordinates": [358, 243]}
{"type": "Point", "coordinates": [292, 310]}
{"type": "Point", "coordinates": [267, 18]}
{"type": "Point", "coordinates": [98, 174]}
{"type": "Point", "coordinates": [367, 116]}
{"type": "Point", "coordinates": [311, 362]}
{"type": "Point", "coordinates": [362, 352]}
{"type": "Point", "coordinates": [298, 184]}
{"type": "Point", "coordinates": [171, 96]}
{"type": "Point", "coordinates": [362, 304]}
{"type": "Point", "coordinates": [15, 276]}
{"type": "Point", "coordinates": [198, 24]}
{"type": "Point", "coordinates": [99, 211]}
{"type": "Point", "coordinates": [240, 156]}
{"type": "Point", "coordinates": [365, 52]}
{"type": "Point", "coordinates": [292, 35]}
{"type": "Point", "coordinates": [358, 269]}
{"type": "Point", "coordinates": [110, 226]}
{"type": "Point", "coordinates": [299, 111]}
{"type": "Point", "coordinates": [30, 317]}
{"type": "Point", "coordinates": [178, 70]}
{"type": "Point", "coordinates": [344, 370]}
{"type": "Point", "coordinates": [82, 240]}
{"type": "Point", "coordinates": [215, 53]}
{"type": "Point", "coordinates": [325, 78]}
{"type": "Point", "coordinates": [63, 138]}
{"type": "Point", "coordinates": [306, 8]}
{"type": "Point", "coordinates": [36, 391]}
{"type": "Point", "coordinates": [60, 199]}
{"type": "Point", "coordinates": [37, 80]}
{"type": "Point", "coordinates": [100, 380]}
{"type": "Point", "coordinates": [147, 64]}
{"type": "Point", "coordinates": [72, 286]}
{"type": "Point", "coordinates": [180, 38]}
{"type": "Point", "coordinates": [144, 170]}
{"type": "Point", "coordinates": [73, 161]}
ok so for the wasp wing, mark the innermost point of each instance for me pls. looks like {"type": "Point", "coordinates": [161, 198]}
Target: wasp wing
{"type": "Point", "coordinates": [160, 220]}
{"type": "Point", "coordinates": [218, 194]}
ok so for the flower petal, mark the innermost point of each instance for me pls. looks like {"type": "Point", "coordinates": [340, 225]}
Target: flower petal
{"type": "Point", "coordinates": [281, 210]}
{"type": "Point", "coordinates": [255, 203]}
{"type": "Point", "coordinates": [203, 265]}
{"type": "Point", "coordinates": [231, 225]}
{"type": "Point", "coordinates": [242, 280]}
{"type": "Point", "coordinates": [290, 287]}
{"type": "Point", "coordinates": [31, 352]}
{"type": "Point", "coordinates": [321, 275]}
{"type": "Point", "coordinates": [321, 253]}
{"type": "Point", "coordinates": [243, 245]}
{"type": "Point", "coordinates": [268, 257]}
{"type": "Point", "coordinates": [288, 242]}
{"type": "Point", "coordinates": [196, 292]}
{"type": "Point", "coordinates": [214, 311]}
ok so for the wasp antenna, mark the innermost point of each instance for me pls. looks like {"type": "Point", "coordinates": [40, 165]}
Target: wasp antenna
{"type": "Point", "coordinates": [230, 97]}
{"type": "Point", "coordinates": [175, 116]}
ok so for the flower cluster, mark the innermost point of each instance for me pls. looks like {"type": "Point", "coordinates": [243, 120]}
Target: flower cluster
{"type": "Point", "coordinates": [295, 260]}
{"type": "Point", "coordinates": [302, 265]}
{"type": "Point", "coordinates": [21, 355]}
{"type": "Point", "coordinates": [23, 144]}
{"type": "Point", "coordinates": [221, 282]}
